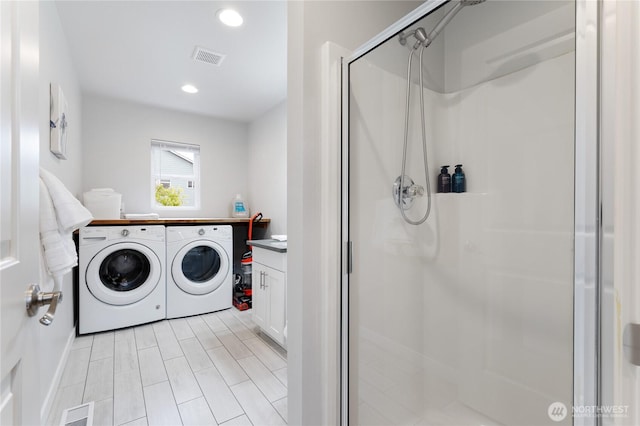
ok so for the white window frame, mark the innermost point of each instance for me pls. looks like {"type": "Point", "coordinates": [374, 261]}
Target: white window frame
{"type": "Point", "coordinates": [158, 145]}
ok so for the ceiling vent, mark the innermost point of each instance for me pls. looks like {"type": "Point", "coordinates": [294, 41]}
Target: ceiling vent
{"type": "Point", "coordinates": [201, 54]}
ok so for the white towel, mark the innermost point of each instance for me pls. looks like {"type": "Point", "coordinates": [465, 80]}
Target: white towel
{"type": "Point", "coordinates": [70, 213]}
{"type": "Point", "coordinates": [59, 217]}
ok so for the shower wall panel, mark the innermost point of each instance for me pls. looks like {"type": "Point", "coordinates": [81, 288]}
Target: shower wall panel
{"type": "Point", "coordinates": [466, 319]}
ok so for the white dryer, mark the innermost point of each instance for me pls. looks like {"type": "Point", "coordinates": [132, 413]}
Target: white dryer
{"type": "Point", "coordinates": [199, 269]}
{"type": "Point", "coordinates": [122, 276]}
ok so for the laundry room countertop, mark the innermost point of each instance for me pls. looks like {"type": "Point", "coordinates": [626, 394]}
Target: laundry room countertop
{"type": "Point", "coordinates": [180, 221]}
{"type": "Point", "coordinates": [273, 245]}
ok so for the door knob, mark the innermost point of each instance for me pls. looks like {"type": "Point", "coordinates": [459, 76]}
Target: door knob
{"type": "Point", "coordinates": [34, 299]}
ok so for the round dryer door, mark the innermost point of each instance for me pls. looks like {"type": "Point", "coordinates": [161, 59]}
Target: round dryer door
{"type": "Point", "coordinates": [123, 273]}
{"type": "Point", "coordinates": [200, 267]}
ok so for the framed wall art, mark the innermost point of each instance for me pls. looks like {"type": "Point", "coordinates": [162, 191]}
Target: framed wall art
{"type": "Point", "coordinates": [58, 122]}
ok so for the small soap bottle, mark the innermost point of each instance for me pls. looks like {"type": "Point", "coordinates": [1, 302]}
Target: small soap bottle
{"type": "Point", "coordinates": [458, 181]}
{"type": "Point", "coordinates": [444, 180]}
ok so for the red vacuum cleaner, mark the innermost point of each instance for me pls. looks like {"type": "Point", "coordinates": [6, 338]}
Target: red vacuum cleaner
{"type": "Point", "coordinates": [242, 290]}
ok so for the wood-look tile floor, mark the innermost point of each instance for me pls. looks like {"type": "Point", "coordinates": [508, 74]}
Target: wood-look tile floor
{"type": "Point", "coordinates": [212, 369]}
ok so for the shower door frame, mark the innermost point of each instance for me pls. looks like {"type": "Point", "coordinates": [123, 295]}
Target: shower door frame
{"type": "Point", "coordinates": [588, 288]}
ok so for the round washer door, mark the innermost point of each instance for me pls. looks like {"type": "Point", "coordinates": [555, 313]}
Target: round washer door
{"type": "Point", "coordinates": [123, 273]}
{"type": "Point", "coordinates": [200, 267]}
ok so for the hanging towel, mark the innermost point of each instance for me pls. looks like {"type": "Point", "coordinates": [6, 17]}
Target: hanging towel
{"type": "Point", "coordinates": [70, 213]}
{"type": "Point", "coordinates": [60, 214]}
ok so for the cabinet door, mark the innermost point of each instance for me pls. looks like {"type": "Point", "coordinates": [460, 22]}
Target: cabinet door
{"type": "Point", "coordinates": [275, 283]}
{"type": "Point", "coordinates": [259, 296]}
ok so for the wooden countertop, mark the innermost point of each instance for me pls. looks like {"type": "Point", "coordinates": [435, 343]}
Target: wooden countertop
{"type": "Point", "coordinates": [180, 221]}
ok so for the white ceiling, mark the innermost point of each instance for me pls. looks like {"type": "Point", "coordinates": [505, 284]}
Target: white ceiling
{"type": "Point", "coordinates": [141, 51]}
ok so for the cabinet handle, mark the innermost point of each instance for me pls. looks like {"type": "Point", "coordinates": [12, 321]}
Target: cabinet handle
{"type": "Point", "coordinates": [265, 279]}
{"type": "Point", "coordinates": [261, 279]}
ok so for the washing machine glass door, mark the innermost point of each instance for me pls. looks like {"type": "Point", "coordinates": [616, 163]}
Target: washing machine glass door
{"type": "Point", "coordinates": [200, 267]}
{"type": "Point", "coordinates": [123, 273]}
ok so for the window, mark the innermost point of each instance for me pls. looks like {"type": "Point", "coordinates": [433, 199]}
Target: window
{"type": "Point", "coordinates": [175, 175]}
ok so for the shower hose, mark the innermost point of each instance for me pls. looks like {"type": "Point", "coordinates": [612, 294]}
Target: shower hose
{"type": "Point", "coordinates": [424, 142]}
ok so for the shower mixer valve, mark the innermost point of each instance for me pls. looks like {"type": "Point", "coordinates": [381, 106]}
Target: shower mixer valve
{"type": "Point", "coordinates": [414, 190]}
{"type": "Point", "coordinates": [409, 192]}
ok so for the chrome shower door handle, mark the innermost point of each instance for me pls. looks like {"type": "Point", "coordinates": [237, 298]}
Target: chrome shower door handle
{"type": "Point", "coordinates": [34, 299]}
{"type": "Point", "coordinates": [631, 343]}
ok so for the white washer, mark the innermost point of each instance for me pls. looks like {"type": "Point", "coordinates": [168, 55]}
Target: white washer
{"type": "Point", "coordinates": [122, 276]}
{"type": "Point", "coordinates": [199, 269]}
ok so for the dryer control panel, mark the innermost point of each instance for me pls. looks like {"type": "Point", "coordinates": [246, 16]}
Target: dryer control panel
{"type": "Point", "coordinates": [214, 232]}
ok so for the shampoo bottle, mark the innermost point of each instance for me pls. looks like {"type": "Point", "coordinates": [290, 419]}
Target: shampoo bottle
{"type": "Point", "coordinates": [458, 181]}
{"type": "Point", "coordinates": [239, 208]}
{"type": "Point", "coordinates": [444, 180]}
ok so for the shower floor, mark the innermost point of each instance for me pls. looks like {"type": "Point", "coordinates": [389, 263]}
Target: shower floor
{"type": "Point", "coordinates": [391, 393]}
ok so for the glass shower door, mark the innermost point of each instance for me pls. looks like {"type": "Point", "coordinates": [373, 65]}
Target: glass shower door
{"type": "Point", "coordinates": [466, 319]}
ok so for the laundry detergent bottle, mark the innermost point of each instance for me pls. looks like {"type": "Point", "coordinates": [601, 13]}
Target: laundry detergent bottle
{"type": "Point", "coordinates": [239, 207]}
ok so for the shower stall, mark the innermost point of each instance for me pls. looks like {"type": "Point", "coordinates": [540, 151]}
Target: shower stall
{"type": "Point", "coordinates": [462, 308]}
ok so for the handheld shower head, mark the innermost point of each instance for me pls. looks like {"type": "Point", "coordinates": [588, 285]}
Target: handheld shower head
{"type": "Point", "coordinates": [448, 17]}
{"type": "Point", "coordinates": [424, 39]}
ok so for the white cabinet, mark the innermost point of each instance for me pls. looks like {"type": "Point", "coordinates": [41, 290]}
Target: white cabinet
{"type": "Point", "coordinates": [269, 278]}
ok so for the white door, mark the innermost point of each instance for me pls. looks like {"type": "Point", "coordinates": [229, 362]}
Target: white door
{"type": "Point", "coordinates": [19, 385]}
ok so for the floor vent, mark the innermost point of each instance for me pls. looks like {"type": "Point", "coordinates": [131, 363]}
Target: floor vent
{"type": "Point", "coordinates": [201, 54]}
{"type": "Point", "coordinates": [82, 415]}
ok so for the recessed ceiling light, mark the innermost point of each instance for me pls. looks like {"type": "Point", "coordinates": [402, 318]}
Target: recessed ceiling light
{"type": "Point", "coordinates": [189, 88]}
{"type": "Point", "coordinates": [230, 17]}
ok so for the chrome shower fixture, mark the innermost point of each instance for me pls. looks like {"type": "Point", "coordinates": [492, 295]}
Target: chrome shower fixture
{"type": "Point", "coordinates": [405, 190]}
{"type": "Point", "coordinates": [422, 38]}
{"type": "Point", "coordinates": [405, 197]}
{"type": "Point", "coordinates": [420, 35]}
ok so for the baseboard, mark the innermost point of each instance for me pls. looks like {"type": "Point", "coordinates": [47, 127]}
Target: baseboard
{"type": "Point", "coordinates": [53, 388]}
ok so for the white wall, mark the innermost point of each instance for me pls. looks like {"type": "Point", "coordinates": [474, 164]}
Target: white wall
{"type": "Point", "coordinates": [267, 167]}
{"type": "Point", "coordinates": [55, 66]}
{"type": "Point", "coordinates": [352, 23]}
{"type": "Point", "coordinates": [117, 139]}
{"type": "Point", "coordinates": [477, 52]}
{"type": "Point", "coordinates": [620, 131]}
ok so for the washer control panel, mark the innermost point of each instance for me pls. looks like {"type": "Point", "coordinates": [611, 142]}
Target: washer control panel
{"type": "Point", "coordinates": [96, 234]}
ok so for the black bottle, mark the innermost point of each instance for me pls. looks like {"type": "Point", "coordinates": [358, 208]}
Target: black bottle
{"type": "Point", "coordinates": [458, 181]}
{"type": "Point", "coordinates": [444, 180]}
